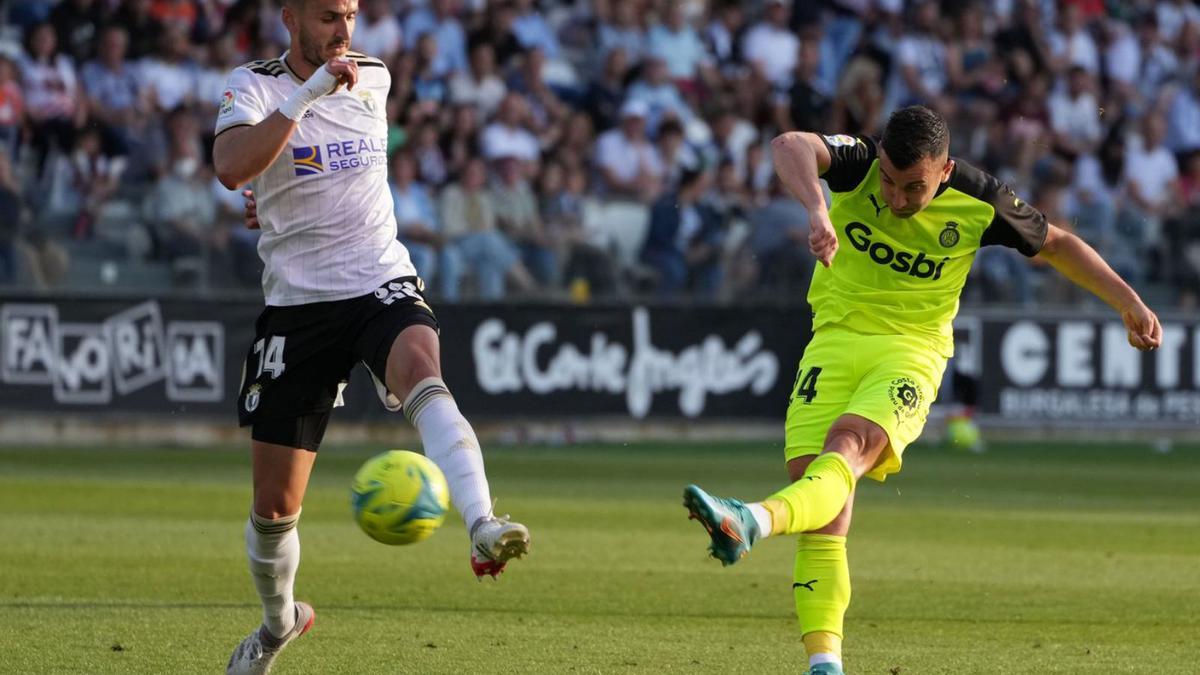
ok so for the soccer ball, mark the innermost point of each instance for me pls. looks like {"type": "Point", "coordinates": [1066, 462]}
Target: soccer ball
{"type": "Point", "coordinates": [399, 497]}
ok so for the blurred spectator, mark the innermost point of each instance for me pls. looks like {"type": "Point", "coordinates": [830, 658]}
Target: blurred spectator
{"type": "Point", "coordinates": [114, 93]}
{"type": "Point", "coordinates": [771, 47]}
{"type": "Point", "coordinates": [1028, 129]}
{"type": "Point", "coordinates": [607, 90]}
{"type": "Point", "coordinates": [1122, 58]}
{"type": "Point", "coordinates": [11, 223]}
{"type": "Point", "coordinates": [82, 182]}
{"type": "Point", "coordinates": [806, 104]}
{"type": "Point", "coordinates": [52, 101]}
{"type": "Point", "coordinates": [676, 43]}
{"type": "Point", "coordinates": [1075, 115]}
{"type": "Point", "coordinates": [660, 96]}
{"type": "Point", "coordinates": [230, 232]}
{"type": "Point", "coordinates": [1150, 179]}
{"type": "Point", "coordinates": [1159, 65]}
{"type": "Point", "coordinates": [629, 164]}
{"type": "Point", "coordinates": [1184, 235]}
{"type": "Point", "coordinates": [1038, 92]}
{"type": "Point", "coordinates": [429, 84]}
{"type": "Point", "coordinates": [545, 110]}
{"type": "Point", "coordinates": [469, 224]}
{"type": "Point", "coordinates": [497, 30]}
{"type": "Point", "coordinates": [12, 108]}
{"type": "Point", "coordinates": [976, 73]}
{"type": "Point", "coordinates": [431, 162]}
{"type": "Point", "coordinates": [438, 18]}
{"type": "Point", "coordinates": [578, 139]}
{"type": "Point", "coordinates": [858, 103]}
{"type": "Point", "coordinates": [1174, 15]}
{"type": "Point", "coordinates": [180, 211]}
{"type": "Point", "coordinates": [1072, 45]}
{"type": "Point", "coordinates": [378, 31]}
{"type": "Point", "coordinates": [723, 33]}
{"type": "Point", "coordinates": [684, 238]}
{"type": "Point", "coordinates": [624, 31]}
{"type": "Point", "coordinates": [77, 24]}
{"type": "Point", "coordinates": [732, 135]}
{"type": "Point", "coordinates": [178, 15]}
{"type": "Point", "coordinates": [1183, 134]}
{"type": "Point", "coordinates": [171, 75]}
{"type": "Point", "coordinates": [416, 216]}
{"type": "Point", "coordinates": [675, 152]}
{"type": "Point", "coordinates": [461, 142]}
{"type": "Point", "coordinates": [143, 29]}
{"type": "Point", "coordinates": [920, 74]}
{"type": "Point", "coordinates": [508, 136]}
{"type": "Point", "coordinates": [479, 85]}
{"type": "Point", "coordinates": [563, 191]}
{"type": "Point", "coordinates": [775, 255]}
{"type": "Point", "coordinates": [533, 31]}
{"type": "Point", "coordinates": [517, 216]}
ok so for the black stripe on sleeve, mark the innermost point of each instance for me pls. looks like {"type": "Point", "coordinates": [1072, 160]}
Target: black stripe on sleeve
{"type": "Point", "coordinates": [1015, 223]}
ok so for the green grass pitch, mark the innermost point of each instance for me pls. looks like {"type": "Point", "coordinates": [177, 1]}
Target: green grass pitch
{"type": "Point", "coordinates": [1029, 559]}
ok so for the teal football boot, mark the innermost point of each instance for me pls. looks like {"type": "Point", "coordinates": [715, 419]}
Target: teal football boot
{"type": "Point", "coordinates": [728, 521]}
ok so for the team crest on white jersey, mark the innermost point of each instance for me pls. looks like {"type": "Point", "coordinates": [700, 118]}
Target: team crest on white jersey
{"type": "Point", "coordinates": [368, 100]}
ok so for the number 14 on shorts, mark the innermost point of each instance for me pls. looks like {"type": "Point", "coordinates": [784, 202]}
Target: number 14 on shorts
{"type": "Point", "coordinates": [806, 384]}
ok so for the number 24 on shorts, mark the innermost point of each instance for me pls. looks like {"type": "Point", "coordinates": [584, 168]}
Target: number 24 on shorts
{"type": "Point", "coordinates": [806, 384]}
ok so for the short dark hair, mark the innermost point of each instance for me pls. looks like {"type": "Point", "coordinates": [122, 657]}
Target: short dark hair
{"type": "Point", "coordinates": [914, 133]}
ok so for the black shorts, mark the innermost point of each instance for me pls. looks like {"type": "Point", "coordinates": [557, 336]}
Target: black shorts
{"type": "Point", "coordinates": [302, 356]}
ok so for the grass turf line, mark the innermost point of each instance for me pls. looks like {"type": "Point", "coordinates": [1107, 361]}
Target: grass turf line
{"type": "Point", "coordinates": [1055, 559]}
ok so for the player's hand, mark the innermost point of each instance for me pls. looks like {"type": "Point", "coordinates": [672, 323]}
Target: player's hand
{"type": "Point", "coordinates": [1145, 332]}
{"type": "Point", "coordinates": [345, 70]}
{"type": "Point", "coordinates": [251, 210]}
{"type": "Point", "coordinates": [822, 239]}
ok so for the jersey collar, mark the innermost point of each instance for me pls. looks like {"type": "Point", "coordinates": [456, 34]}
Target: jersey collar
{"type": "Point", "coordinates": [288, 69]}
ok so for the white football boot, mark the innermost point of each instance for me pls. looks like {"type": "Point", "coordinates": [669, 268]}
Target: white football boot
{"type": "Point", "coordinates": [256, 654]}
{"type": "Point", "coordinates": [495, 541]}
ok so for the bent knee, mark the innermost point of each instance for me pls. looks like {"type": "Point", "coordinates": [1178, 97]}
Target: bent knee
{"type": "Point", "coordinates": [858, 439]}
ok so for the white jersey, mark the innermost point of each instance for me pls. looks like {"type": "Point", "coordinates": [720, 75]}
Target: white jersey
{"type": "Point", "coordinates": [324, 206]}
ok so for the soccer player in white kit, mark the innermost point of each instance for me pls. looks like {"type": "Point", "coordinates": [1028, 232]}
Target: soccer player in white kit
{"type": "Point", "coordinates": [308, 132]}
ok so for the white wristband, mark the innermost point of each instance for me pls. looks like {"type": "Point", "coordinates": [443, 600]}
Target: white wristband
{"type": "Point", "coordinates": [320, 83]}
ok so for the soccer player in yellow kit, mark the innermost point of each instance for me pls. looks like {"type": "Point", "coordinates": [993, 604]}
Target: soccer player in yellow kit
{"type": "Point", "coordinates": [895, 248]}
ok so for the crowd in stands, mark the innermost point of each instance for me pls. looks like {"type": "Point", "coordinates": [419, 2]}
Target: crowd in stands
{"type": "Point", "coordinates": [604, 148]}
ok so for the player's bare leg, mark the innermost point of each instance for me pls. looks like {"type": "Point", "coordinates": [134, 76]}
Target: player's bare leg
{"type": "Point", "coordinates": [414, 376]}
{"type": "Point", "coordinates": [273, 548]}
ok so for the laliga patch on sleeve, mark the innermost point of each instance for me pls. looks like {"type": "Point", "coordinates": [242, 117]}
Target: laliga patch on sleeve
{"type": "Point", "coordinates": [226, 103]}
{"type": "Point", "coordinates": [841, 140]}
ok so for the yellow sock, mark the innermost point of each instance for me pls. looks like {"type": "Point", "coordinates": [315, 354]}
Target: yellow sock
{"type": "Point", "coordinates": [821, 591]}
{"type": "Point", "coordinates": [813, 501]}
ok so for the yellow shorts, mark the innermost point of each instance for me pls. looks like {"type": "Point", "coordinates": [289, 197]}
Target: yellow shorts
{"type": "Point", "coordinates": [888, 379]}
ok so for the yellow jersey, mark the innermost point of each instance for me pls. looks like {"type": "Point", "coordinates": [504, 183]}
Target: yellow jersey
{"type": "Point", "coordinates": [904, 276]}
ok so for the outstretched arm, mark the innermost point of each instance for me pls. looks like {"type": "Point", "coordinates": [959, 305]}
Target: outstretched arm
{"type": "Point", "coordinates": [1080, 263]}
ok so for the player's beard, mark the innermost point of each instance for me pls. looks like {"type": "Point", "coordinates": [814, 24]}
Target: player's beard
{"type": "Point", "coordinates": [314, 50]}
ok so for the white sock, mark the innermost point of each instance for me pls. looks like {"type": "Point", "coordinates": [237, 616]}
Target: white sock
{"type": "Point", "coordinates": [273, 547]}
{"type": "Point", "coordinates": [450, 442]}
{"type": "Point", "coordinates": [761, 516]}
{"type": "Point", "coordinates": [824, 657]}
